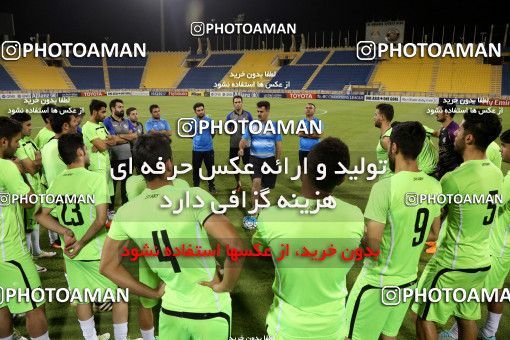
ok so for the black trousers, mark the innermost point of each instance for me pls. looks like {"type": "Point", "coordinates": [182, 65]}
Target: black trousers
{"type": "Point", "coordinates": [208, 158]}
{"type": "Point", "coordinates": [115, 166]}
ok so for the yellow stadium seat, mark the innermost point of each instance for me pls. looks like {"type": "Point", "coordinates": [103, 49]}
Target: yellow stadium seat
{"type": "Point", "coordinates": [164, 70]}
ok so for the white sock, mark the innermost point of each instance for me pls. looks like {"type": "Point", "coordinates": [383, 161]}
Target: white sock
{"type": "Point", "coordinates": [491, 325]}
{"type": "Point", "coordinates": [88, 328]}
{"type": "Point", "coordinates": [148, 335]}
{"type": "Point", "coordinates": [10, 337]}
{"type": "Point", "coordinates": [454, 331]}
{"type": "Point", "coordinates": [35, 240]}
{"type": "Point", "coordinates": [29, 242]}
{"type": "Point", "coordinates": [45, 336]}
{"type": "Point", "coordinates": [120, 331]}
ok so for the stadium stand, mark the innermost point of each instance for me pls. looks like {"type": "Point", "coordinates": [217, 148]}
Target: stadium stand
{"type": "Point", "coordinates": [86, 78]}
{"type": "Point", "coordinates": [405, 74]}
{"type": "Point", "coordinates": [463, 75]}
{"type": "Point", "coordinates": [138, 61]}
{"type": "Point", "coordinates": [92, 61]}
{"type": "Point", "coordinates": [6, 81]}
{"type": "Point", "coordinates": [505, 81]}
{"type": "Point", "coordinates": [346, 57]}
{"type": "Point", "coordinates": [333, 77]}
{"type": "Point", "coordinates": [312, 58]}
{"type": "Point", "coordinates": [202, 77]}
{"type": "Point", "coordinates": [164, 70]}
{"type": "Point", "coordinates": [222, 59]}
{"type": "Point", "coordinates": [255, 62]}
{"type": "Point", "coordinates": [297, 76]}
{"type": "Point", "coordinates": [125, 77]}
{"type": "Point", "coordinates": [33, 74]}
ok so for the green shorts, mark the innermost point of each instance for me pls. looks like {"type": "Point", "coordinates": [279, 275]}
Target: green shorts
{"type": "Point", "coordinates": [368, 317]}
{"type": "Point", "coordinates": [83, 275]}
{"type": "Point", "coordinates": [186, 325]}
{"type": "Point", "coordinates": [500, 266]}
{"type": "Point", "coordinates": [149, 278]}
{"type": "Point", "coordinates": [436, 276]}
{"type": "Point", "coordinates": [19, 274]}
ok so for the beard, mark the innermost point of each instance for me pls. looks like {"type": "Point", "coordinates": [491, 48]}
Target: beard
{"type": "Point", "coordinates": [9, 152]}
{"type": "Point", "coordinates": [377, 124]}
{"type": "Point", "coordinates": [120, 114]}
{"type": "Point", "coordinates": [440, 119]}
{"type": "Point", "coordinates": [391, 161]}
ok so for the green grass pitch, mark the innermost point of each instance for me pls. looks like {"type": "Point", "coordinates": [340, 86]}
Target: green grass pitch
{"type": "Point", "coordinates": [349, 120]}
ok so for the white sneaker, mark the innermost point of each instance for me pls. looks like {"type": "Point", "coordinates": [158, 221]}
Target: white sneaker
{"type": "Point", "coordinates": [45, 254]}
{"type": "Point", "coordinates": [40, 269]}
{"type": "Point", "coordinates": [105, 336]}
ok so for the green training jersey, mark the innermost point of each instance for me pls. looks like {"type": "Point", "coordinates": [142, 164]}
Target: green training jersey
{"type": "Point", "coordinates": [147, 224]}
{"type": "Point", "coordinates": [309, 295]}
{"type": "Point", "coordinates": [51, 161]}
{"type": "Point", "coordinates": [464, 241]}
{"type": "Point", "coordinates": [500, 232]}
{"type": "Point", "coordinates": [43, 136]}
{"type": "Point", "coordinates": [12, 230]}
{"type": "Point", "coordinates": [79, 216]}
{"type": "Point", "coordinates": [382, 154]}
{"type": "Point", "coordinates": [27, 149]}
{"type": "Point", "coordinates": [427, 159]}
{"type": "Point", "coordinates": [136, 184]}
{"type": "Point", "coordinates": [406, 229]}
{"type": "Point", "coordinates": [494, 154]}
{"type": "Point", "coordinates": [99, 160]}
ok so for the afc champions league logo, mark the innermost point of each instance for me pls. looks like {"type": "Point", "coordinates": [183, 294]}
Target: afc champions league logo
{"type": "Point", "coordinates": [392, 35]}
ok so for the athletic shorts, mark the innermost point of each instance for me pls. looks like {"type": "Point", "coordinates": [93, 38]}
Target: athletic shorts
{"type": "Point", "coordinates": [20, 274]}
{"type": "Point", "coordinates": [368, 317]}
{"type": "Point", "coordinates": [436, 276]}
{"type": "Point", "coordinates": [234, 153]}
{"type": "Point", "coordinates": [268, 180]}
{"type": "Point", "coordinates": [200, 326]}
{"type": "Point", "coordinates": [83, 275]}
{"type": "Point", "coordinates": [500, 266]}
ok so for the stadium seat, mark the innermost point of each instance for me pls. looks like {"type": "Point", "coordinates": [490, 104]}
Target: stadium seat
{"type": "Point", "coordinates": [463, 75]}
{"type": "Point", "coordinates": [92, 61]}
{"type": "Point", "coordinates": [505, 87]}
{"type": "Point", "coordinates": [346, 57]}
{"type": "Point", "coordinates": [125, 77]}
{"type": "Point", "coordinates": [222, 59]}
{"type": "Point", "coordinates": [202, 77]}
{"type": "Point", "coordinates": [33, 74]}
{"type": "Point", "coordinates": [138, 61]}
{"type": "Point", "coordinates": [254, 62]}
{"type": "Point", "coordinates": [164, 70]}
{"type": "Point", "coordinates": [405, 74]}
{"type": "Point", "coordinates": [312, 58]}
{"type": "Point", "coordinates": [86, 78]}
{"type": "Point", "coordinates": [336, 77]}
{"type": "Point", "coordinates": [6, 82]}
{"type": "Point", "coordinates": [297, 76]}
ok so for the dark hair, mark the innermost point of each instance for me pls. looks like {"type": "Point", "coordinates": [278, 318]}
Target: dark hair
{"type": "Point", "coordinates": [21, 117]}
{"type": "Point", "coordinates": [485, 128]}
{"type": "Point", "coordinates": [59, 119]}
{"type": "Point", "coordinates": [448, 108]}
{"type": "Point", "coordinates": [148, 149]}
{"type": "Point", "coordinates": [68, 144]}
{"type": "Point", "coordinates": [9, 127]}
{"type": "Point", "coordinates": [409, 138]}
{"type": "Point", "coordinates": [47, 112]}
{"type": "Point", "coordinates": [505, 137]}
{"type": "Point", "coordinates": [77, 111]}
{"type": "Point", "coordinates": [329, 152]}
{"type": "Point", "coordinates": [96, 105]}
{"type": "Point", "coordinates": [197, 105]}
{"type": "Point", "coordinates": [386, 110]}
{"type": "Point", "coordinates": [114, 102]}
{"type": "Point", "coordinates": [152, 107]}
{"type": "Point", "coordinates": [131, 109]}
{"type": "Point", "coordinates": [311, 104]}
{"type": "Point", "coordinates": [237, 96]}
{"type": "Point", "coordinates": [264, 103]}
{"type": "Point", "coordinates": [395, 123]}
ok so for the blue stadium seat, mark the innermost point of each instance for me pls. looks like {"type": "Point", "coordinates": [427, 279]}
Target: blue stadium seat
{"type": "Point", "coordinates": [296, 75]}
{"type": "Point", "coordinates": [346, 57]}
{"type": "Point", "coordinates": [138, 61]}
{"type": "Point", "coordinates": [336, 77]}
{"type": "Point", "coordinates": [92, 61]}
{"type": "Point", "coordinates": [222, 59]}
{"type": "Point", "coordinates": [505, 81]}
{"type": "Point", "coordinates": [85, 78]}
{"type": "Point", "coordinates": [203, 77]}
{"type": "Point", "coordinates": [6, 82]}
{"type": "Point", "coordinates": [313, 57]}
{"type": "Point", "coordinates": [125, 77]}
